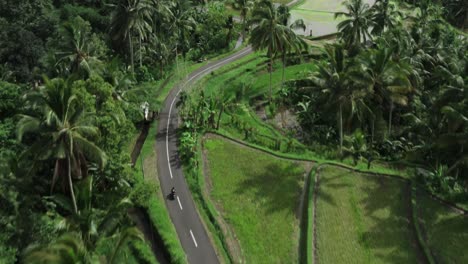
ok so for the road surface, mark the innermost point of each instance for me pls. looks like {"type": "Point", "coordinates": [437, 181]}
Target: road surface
{"type": "Point", "coordinates": [184, 215]}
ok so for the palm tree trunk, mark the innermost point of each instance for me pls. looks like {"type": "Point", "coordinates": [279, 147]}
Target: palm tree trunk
{"type": "Point", "coordinates": [176, 60]}
{"type": "Point", "coordinates": [341, 129]}
{"type": "Point", "coordinates": [141, 64]}
{"type": "Point", "coordinates": [243, 28]}
{"type": "Point", "coordinates": [70, 186]}
{"type": "Point", "coordinates": [284, 66]}
{"type": "Point", "coordinates": [131, 51]}
{"type": "Point", "coordinates": [390, 119]}
{"type": "Point", "coordinates": [271, 72]}
{"type": "Point", "coordinates": [219, 115]}
{"type": "Point", "coordinates": [56, 174]}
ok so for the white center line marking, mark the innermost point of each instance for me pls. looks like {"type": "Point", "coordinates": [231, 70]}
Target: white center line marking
{"type": "Point", "coordinates": [180, 205]}
{"type": "Point", "coordinates": [180, 89]}
{"type": "Point", "coordinates": [194, 241]}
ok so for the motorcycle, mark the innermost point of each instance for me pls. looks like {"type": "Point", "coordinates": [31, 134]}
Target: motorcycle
{"type": "Point", "coordinates": [172, 194]}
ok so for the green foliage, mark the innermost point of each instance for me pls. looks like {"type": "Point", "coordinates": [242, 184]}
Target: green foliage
{"type": "Point", "coordinates": [438, 181]}
{"type": "Point", "coordinates": [78, 49]}
{"type": "Point", "coordinates": [355, 28]}
{"type": "Point", "coordinates": [143, 253]}
{"type": "Point", "coordinates": [95, 18]}
{"type": "Point", "coordinates": [404, 92]}
{"type": "Point", "coordinates": [8, 142]}
{"type": "Point", "coordinates": [9, 97]}
{"type": "Point", "coordinates": [21, 50]}
{"type": "Point", "coordinates": [210, 32]}
{"type": "Point", "coordinates": [187, 147]}
{"type": "Point", "coordinates": [356, 147]}
{"type": "Point", "coordinates": [272, 33]}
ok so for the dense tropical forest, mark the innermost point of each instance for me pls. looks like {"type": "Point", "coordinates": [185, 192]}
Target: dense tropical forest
{"type": "Point", "coordinates": [388, 90]}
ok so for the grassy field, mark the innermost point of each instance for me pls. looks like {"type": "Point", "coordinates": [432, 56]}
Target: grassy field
{"type": "Point", "coordinates": [363, 219]}
{"type": "Point", "coordinates": [445, 231]}
{"type": "Point", "coordinates": [259, 199]}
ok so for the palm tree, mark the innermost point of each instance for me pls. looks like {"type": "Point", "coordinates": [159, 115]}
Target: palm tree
{"type": "Point", "coordinates": [449, 110]}
{"type": "Point", "coordinates": [294, 43]}
{"type": "Point", "coordinates": [182, 24]}
{"type": "Point", "coordinates": [244, 6]}
{"type": "Point", "coordinates": [284, 13]}
{"type": "Point", "coordinates": [69, 248]}
{"type": "Point", "coordinates": [268, 33]}
{"type": "Point", "coordinates": [63, 130]}
{"type": "Point", "coordinates": [355, 28]}
{"type": "Point", "coordinates": [357, 148]}
{"type": "Point", "coordinates": [159, 51]}
{"type": "Point", "coordinates": [385, 16]}
{"type": "Point", "coordinates": [75, 51]}
{"type": "Point", "coordinates": [229, 26]}
{"type": "Point", "coordinates": [66, 249]}
{"type": "Point", "coordinates": [129, 18]}
{"type": "Point", "coordinates": [388, 79]}
{"type": "Point", "coordinates": [333, 78]}
{"type": "Point", "coordinates": [84, 230]}
{"type": "Point", "coordinates": [457, 12]}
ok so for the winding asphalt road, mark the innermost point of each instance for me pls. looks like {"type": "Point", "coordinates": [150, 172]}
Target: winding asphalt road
{"type": "Point", "coordinates": [190, 229]}
{"type": "Point", "coordinates": [184, 215]}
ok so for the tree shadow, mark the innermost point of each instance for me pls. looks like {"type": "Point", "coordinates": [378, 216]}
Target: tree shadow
{"type": "Point", "coordinates": [332, 183]}
{"type": "Point", "coordinates": [275, 187]}
{"type": "Point", "coordinates": [175, 160]}
{"type": "Point", "coordinates": [161, 135]}
{"type": "Point", "coordinates": [387, 202]}
{"type": "Point", "coordinates": [444, 230]}
{"type": "Point", "coordinates": [383, 224]}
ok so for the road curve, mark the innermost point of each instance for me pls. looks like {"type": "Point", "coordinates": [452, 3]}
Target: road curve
{"type": "Point", "coordinates": [192, 234]}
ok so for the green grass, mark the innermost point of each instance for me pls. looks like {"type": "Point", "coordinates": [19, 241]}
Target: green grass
{"type": "Point", "coordinates": [259, 196]}
{"type": "Point", "coordinates": [363, 219]}
{"type": "Point", "coordinates": [308, 224]}
{"type": "Point", "coordinates": [142, 253]}
{"type": "Point", "coordinates": [445, 230]}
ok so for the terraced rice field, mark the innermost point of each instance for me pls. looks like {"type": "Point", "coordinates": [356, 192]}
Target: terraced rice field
{"type": "Point", "coordinates": [363, 219]}
{"type": "Point", "coordinates": [318, 16]}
